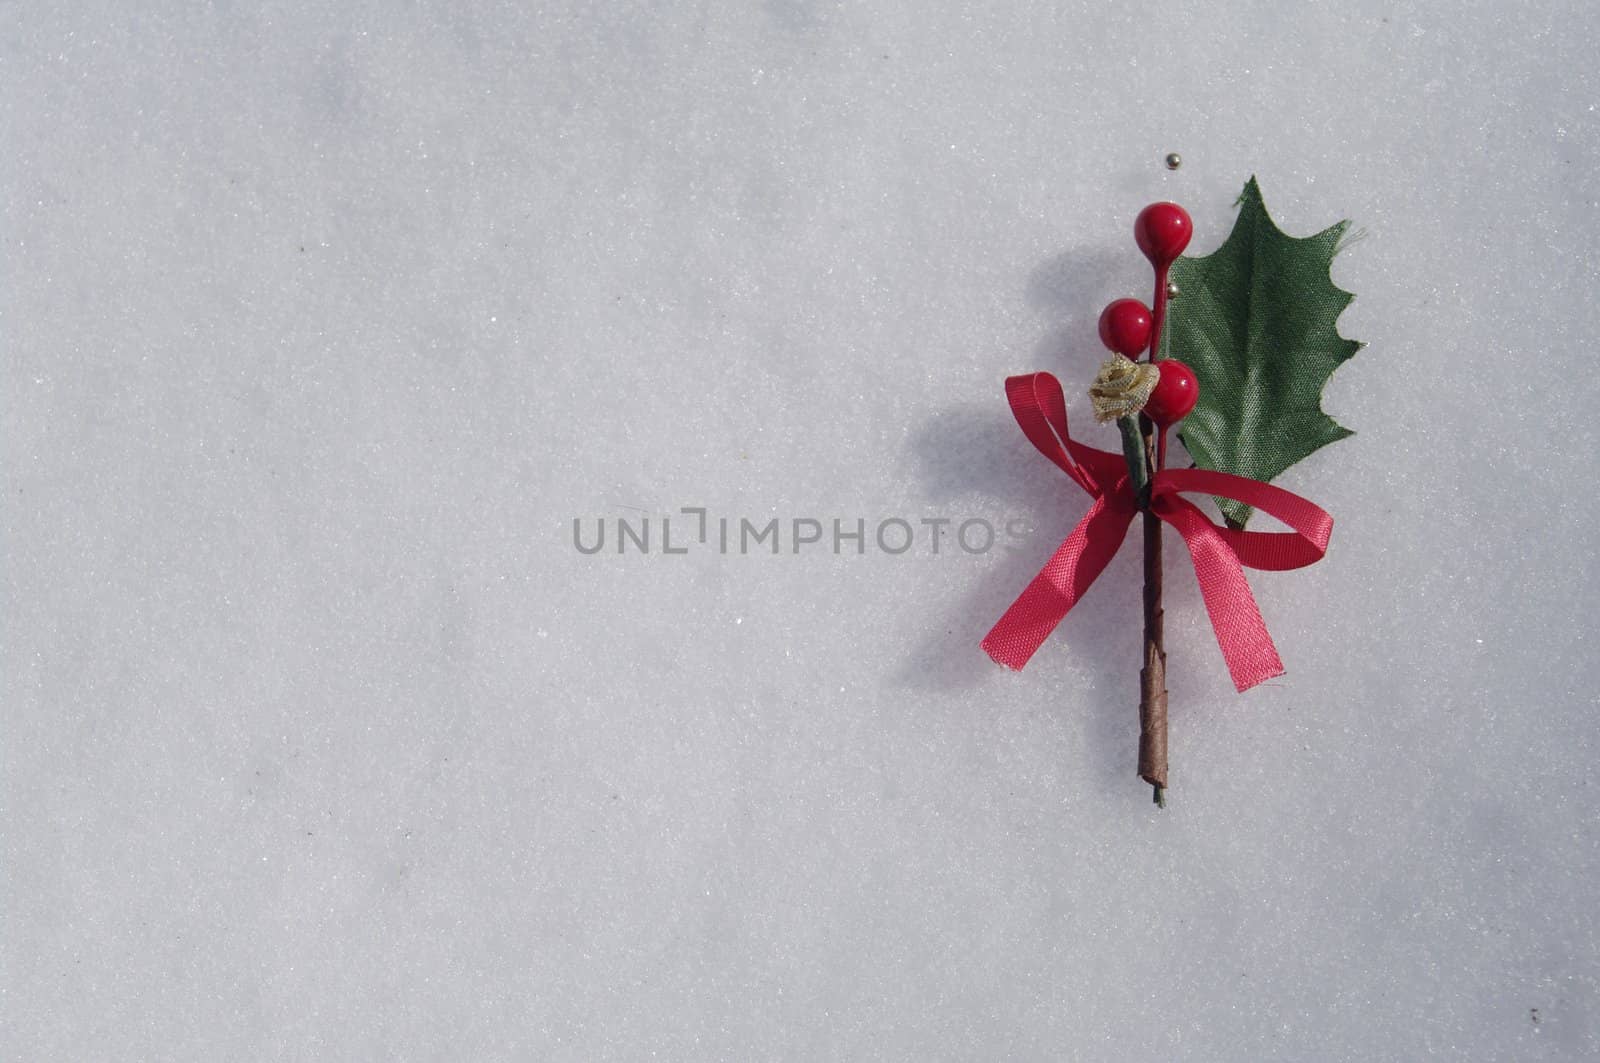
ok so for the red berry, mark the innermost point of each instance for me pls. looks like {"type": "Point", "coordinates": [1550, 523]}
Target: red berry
{"type": "Point", "coordinates": [1125, 327]}
{"type": "Point", "coordinates": [1175, 394]}
{"type": "Point", "coordinates": [1163, 231]}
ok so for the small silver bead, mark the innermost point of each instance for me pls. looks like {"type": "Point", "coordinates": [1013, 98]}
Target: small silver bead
{"type": "Point", "coordinates": [1172, 289]}
{"type": "Point", "coordinates": [1174, 160]}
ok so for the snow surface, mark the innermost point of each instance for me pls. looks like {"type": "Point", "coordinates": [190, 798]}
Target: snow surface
{"type": "Point", "coordinates": [321, 741]}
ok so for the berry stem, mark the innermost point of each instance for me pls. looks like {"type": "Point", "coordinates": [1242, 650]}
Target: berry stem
{"type": "Point", "coordinates": [1158, 313]}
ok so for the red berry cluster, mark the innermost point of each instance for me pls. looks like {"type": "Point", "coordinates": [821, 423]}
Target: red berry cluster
{"type": "Point", "coordinates": [1128, 327]}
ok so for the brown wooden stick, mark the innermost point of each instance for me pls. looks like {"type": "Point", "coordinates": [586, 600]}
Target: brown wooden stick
{"type": "Point", "coordinates": [1153, 676]}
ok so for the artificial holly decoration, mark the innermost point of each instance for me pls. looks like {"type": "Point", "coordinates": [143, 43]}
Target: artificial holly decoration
{"type": "Point", "coordinates": [1255, 324]}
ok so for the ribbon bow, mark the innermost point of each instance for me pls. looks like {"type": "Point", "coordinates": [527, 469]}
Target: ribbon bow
{"type": "Point", "coordinates": [1218, 552]}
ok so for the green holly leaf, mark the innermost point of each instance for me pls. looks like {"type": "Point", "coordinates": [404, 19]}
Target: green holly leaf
{"type": "Point", "coordinates": [1255, 320]}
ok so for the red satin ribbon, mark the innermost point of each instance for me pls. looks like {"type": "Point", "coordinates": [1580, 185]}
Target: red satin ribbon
{"type": "Point", "coordinates": [1218, 552]}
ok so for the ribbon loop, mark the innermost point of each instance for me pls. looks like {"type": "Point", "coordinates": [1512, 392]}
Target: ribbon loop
{"type": "Point", "coordinates": [1041, 411]}
{"type": "Point", "coordinates": [1218, 553]}
{"type": "Point", "coordinates": [1270, 551]}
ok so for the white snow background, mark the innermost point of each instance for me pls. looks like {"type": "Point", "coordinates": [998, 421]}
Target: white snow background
{"type": "Point", "coordinates": [323, 321]}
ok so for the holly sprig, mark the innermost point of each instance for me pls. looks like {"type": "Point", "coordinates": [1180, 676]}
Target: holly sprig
{"type": "Point", "coordinates": [1254, 324]}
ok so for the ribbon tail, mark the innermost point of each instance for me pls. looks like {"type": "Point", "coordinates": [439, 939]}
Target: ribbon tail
{"type": "Point", "coordinates": [1045, 602]}
{"type": "Point", "coordinates": [1235, 618]}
